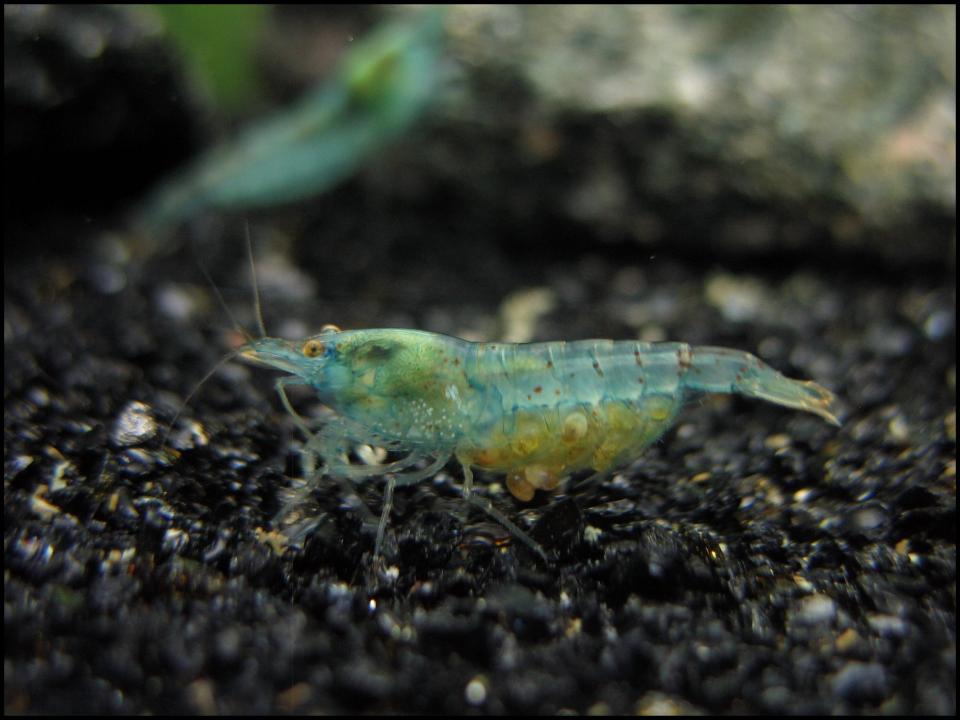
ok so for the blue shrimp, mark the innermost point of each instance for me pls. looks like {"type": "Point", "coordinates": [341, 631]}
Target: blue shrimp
{"type": "Point", "coordinates": [535, 412]}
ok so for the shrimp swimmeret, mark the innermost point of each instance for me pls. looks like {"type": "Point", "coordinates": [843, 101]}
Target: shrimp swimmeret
{"type": "Point", "coordinates": [536, 412]}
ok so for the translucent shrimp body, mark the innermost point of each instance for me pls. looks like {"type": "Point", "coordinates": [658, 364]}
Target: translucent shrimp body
{"type": "Point", "coordinates": [536, 412]}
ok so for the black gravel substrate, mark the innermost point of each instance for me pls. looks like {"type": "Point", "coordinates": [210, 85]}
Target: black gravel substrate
{"type": "Point", "coordinates": [756, 560]}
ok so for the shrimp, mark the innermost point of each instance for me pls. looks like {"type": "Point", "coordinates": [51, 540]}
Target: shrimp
{"type": "Point", "coordinates": [535, 412]}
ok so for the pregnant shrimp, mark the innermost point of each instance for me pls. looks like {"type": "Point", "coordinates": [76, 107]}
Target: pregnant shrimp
{"type": "Point", "coordinates": [534, 412]}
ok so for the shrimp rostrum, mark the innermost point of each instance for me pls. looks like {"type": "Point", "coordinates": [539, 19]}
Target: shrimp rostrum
{"type": "Point", "coordinates": [535, 412]}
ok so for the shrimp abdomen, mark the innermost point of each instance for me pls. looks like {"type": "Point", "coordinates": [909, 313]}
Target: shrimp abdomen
{"type": "Point", "coordinates": [722, 370]}
{"type": "Point", "coordinates": [563, 407]}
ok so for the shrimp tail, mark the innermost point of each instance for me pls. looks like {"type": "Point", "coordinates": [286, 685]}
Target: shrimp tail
{"type": "Point", "coordinates": [721, 370]}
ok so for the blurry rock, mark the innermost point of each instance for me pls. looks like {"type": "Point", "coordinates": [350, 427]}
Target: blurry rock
{"type": "Point", "coordinates": [713, 130]}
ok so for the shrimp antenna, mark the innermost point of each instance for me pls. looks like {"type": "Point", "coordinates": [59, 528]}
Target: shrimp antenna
{"type": "Point", "coordinates": [256, 287]}
{"type": "Point", "coordinates": [186, 401]}
{"type": "Point", "coordinates": [223, 303]}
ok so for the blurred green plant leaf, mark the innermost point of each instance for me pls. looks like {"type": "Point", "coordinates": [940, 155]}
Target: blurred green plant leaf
{"type": "Point", "coordinates": [218, 43]}
{"type": "Point", "coordinates": [382, 85]}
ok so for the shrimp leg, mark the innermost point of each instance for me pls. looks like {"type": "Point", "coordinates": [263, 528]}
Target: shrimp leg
{"type": "Point", "coordinates": [281, 385]}
{"type": "Point", "coordinates": [328, 446]}
{"type": "Point", "coordinates": [400, 480]}
{"type": "Point", "coordinates": [329, 443]}
{"type": "Point", "coordinates": [487, 507]}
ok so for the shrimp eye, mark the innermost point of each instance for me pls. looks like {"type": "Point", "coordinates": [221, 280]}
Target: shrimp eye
{"type": "Point", "coordinates": [329, 328]}
{"type": "Point", "coordinates": [313, 347]}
